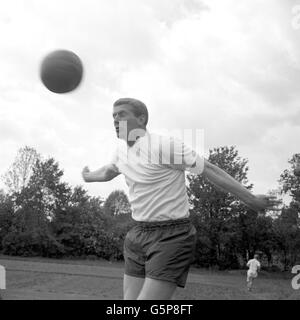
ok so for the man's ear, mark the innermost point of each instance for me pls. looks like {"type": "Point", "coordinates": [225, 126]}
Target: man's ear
{"type": "Point", "coordinates": [142, 119]}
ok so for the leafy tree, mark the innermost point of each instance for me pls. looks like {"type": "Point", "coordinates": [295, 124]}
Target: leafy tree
{"type": "Point", "coordinates": [213, 209]}
{"type": "Point", "coordinates": [80, 209]}
{"type": "Point", "coordinates": [289, 182]}
{"type": "Point", "coordinates": [44, 216]}
{"type": "Point", "coordinates": [255, 234]}
{"type": "Point", "coordinates": [44, 194]}
{"type": "Point", "coordinates": [117, 203]}
{"type": "Point", "coordinates": [6, 215]}
{"type": "Point", "coordinates": [287, 226]}
{"type": "Point", "coordinates": [18, 175]}
{"type": "Point", "coordinates": [287, 235]}
{"type": "Point", "coordinates": [83, 229]}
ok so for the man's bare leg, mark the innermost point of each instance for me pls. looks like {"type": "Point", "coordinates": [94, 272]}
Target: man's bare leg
{"type": "Point", "coordinates": [132, 287]}
{"type": "Point", "coordinates": [249, 284]}
{"type": "Point", "coordinates": [157, 290]}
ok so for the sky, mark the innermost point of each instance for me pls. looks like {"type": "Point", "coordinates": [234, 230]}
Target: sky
{"type": "Point", "coordinates": [230, 68]}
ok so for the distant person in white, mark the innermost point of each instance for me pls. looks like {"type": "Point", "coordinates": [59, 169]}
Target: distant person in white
{"type": "Point", "coordinates": [254, 267]}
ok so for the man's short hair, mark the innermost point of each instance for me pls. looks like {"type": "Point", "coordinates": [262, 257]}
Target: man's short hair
{"type": "Point", "coordinates": [256, 256]}
{"type": "Point", "coordinates": [138, 107]}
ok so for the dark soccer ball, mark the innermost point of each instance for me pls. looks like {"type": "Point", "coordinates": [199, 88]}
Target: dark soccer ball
{"type": "Point", "coordinates": [61, 71]}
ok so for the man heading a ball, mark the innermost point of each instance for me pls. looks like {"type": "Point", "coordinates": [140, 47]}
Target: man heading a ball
{"type": "Point", "coordinates": [158, 250]}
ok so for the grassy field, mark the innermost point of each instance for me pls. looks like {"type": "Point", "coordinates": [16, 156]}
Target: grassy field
{"type": "Point", "coordinates": [51, 279]}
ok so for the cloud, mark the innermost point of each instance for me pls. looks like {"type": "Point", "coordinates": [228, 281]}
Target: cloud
{"type": "Point", "coordinates": [171, 11]}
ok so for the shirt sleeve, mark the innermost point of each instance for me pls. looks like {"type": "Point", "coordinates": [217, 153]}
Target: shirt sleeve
{"type": "Point", "coordinates": [178, 155]}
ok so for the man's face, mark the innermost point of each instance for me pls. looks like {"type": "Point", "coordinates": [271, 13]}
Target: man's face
{"type": "Point", "coordinates": [125, 121]}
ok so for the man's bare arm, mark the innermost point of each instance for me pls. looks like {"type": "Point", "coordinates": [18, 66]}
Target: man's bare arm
{"type": "Point", "coordinates": [224, 181]}
{"type": "Point", "coordinates": [106, 173]}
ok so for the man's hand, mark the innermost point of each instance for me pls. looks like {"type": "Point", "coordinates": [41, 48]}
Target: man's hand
{"type": "Point", "coordinates": [263, 202]}
{"type": "Point", "coordinates": [86, 174]}
{"type": "Point", "coordinates": [105, 173]}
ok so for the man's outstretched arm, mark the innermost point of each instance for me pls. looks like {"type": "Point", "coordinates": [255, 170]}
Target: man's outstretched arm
{"type": "Point", "coordinates": [224, 181]}
{"type": "Point", "coordinates": [106, 173]}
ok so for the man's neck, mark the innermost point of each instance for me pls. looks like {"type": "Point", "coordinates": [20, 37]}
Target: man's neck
{"type": "Point", "coordinates": [132, 143]}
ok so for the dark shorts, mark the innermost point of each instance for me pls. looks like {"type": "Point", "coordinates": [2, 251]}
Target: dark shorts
{"type": "Point", "coordinates": [160, 250]}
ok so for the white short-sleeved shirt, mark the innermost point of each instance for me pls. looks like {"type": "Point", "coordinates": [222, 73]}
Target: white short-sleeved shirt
{"type": "Point", "coordinates": [154, 169]}
{"type": "Point", "coordinates": [253, 265]}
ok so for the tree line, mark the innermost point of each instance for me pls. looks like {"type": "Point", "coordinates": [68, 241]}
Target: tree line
{"type": "Point", "coordinates": [41, 215]}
